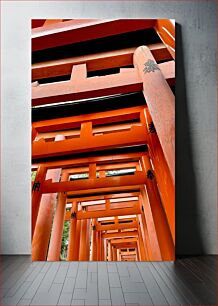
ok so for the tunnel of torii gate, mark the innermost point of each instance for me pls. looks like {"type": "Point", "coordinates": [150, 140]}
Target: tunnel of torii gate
{"type": "Point", "coordinates": [103, 139]}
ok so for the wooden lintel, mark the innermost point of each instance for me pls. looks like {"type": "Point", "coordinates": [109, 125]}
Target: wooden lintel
{"type": "Point", "coordinates": [104, 197]}
{"type": "Point", "coordinates": [99, 61]}
{"type": "Point", "coordinates": [108, 213]}
{"type": "Point", "coordinates": [68, 32]}
{"type": "Point", "coordinates": [118, 226]}
{"type": "Point", "coordinates": [89, 88]}
{"type": "Point", "coordinates": [137, 135]}
{"type": "Point", "coordinates": [91, 184]}
{"type": "Point", "coordinates": [99, 118]}
{"type": "Point", "coordinates": [121, 234]}
{"type": "Point", "coordinates": [81, 162]}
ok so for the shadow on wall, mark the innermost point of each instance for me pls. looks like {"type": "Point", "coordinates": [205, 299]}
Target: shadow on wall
{"type": "Point", "coordinates": [189, 238]}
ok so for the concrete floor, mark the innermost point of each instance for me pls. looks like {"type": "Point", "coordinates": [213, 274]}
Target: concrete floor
{"type": "Point", "coordinates": [188, 281]}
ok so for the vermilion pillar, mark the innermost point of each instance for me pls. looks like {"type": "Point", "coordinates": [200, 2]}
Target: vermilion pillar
{"type": "Point", "coordinates": [105, 249]}
{"type": "Point", "coordinates": [82, 250]}
{"type": "Point", "coordinates": [139, 251]}
{"type": "Point", "coordinates": [137, 254]}
{"type": "Point", "coordinates": [72, 247]}
{"type": "Point", "coordinates": [37, 194]}
{"type": "Point", "coordinates": [98, 245]}
{"type": "Point", "coordinates": [118, 254]}
{"type": "Point", "coordinates": [109, 251]}
{"type": "Point", "coordinates": [159, 216]}
{"type": "Point", "coordinates": [77, 247]}
{"type": "Point", "coordinates": [144, 231]}
{"type": "Point", "coordinates": [160, 100]}
{"type": "Point", "coordinates": [141, 237]}
{"type": "Point", "coordinates": [83, 240]}
{"type": "Point", "coordinates": [94, 242]}
{"type": "Point", "coordinates": [88, 236]}
{"type": "Point", "coordinates": [162, 173]}
{"type": "Point", "coordinates": [114, 250]}
{"type": "Point", "coordinates": [155, 252]}
{"type": "Point", "coordinates": [44, 220]}
{"type": "Point", "coordinates": [141, 245]}
{"type": "Point", "coordinates": [102, 250]}
{"type": "Point", "coordinates": [58, 224]}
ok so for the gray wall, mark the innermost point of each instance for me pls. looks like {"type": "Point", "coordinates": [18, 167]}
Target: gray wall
{"type": "Point", "coordinates": [195, 108]}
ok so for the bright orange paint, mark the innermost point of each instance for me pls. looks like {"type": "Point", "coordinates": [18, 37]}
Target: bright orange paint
{"type": "Point", "coordinates": [103, 213]}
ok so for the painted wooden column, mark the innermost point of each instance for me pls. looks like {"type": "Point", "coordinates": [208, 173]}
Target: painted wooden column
{"type": "Point", "coordinates": [99, 245]}
{"type": "Point", "coordinates": [94, 241]}
{"type": "Point", "coordinates": [88, 236]}
{"type": "Point", "coordinates": [165, 239]}
{"type": "Point", "coordinates": [141, 244]}
{"type": "Point", "coordinates": [58, 225]}
{"type": "Point", "coordinates": [141, 236]}
{"type": "Point", "coordinates": [83, 240]}
{"type": "Point", "coordinates": [84, 251]}
{"type": "Point", "coordinates": [162, 173]}
{"type": "Point", "coordinates": [160, 100]}
{"type": "Point", "coordinates": [109, 251]}
{"type": "Point", "coordinates": [144, 231]}
{"type": "Point", "coordinates": [45, 216]}
{"type": "Point", "coordinates": [118, 254]}
{"type": "Point", "coordinates": [112, 253]}
{"type": "Point", "coordinates": [77, 239]}
{"type": "Point", "coordinates": [114, 250]}
{"type": "Point", "coordinates": [105, 249]}
{"type": "Point", "coordinates": [36, 193]}
{"type": "Point", "coordinates": [155, 252]}
{"type": "Point", "coordinates": [137, 253]}
{"type": "Point", "coordinates": [102, 250]}
{"type": "Point", "coordinates": [72, 247]}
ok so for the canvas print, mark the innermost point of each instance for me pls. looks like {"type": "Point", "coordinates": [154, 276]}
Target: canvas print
{"type": "Point", "coordinates": [103, 139]}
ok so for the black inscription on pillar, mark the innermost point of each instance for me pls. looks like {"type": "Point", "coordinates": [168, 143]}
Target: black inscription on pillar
{"type": "Point", "coordinates": [94, 227]}
{"type": "Point", "coordinates": [36, 186]}
{"type": "Point", "coordinates": [151, 128]}
{"type": "Point", "coordinates": [73, 215]}
{"type": "Point", "coordinates": [150, 66]}
{"type": "Point", "coordinates": [150, 174]}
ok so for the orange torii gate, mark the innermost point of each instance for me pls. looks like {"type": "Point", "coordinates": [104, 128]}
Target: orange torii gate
{"type": "Point", "coordinates": [120, 206]}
